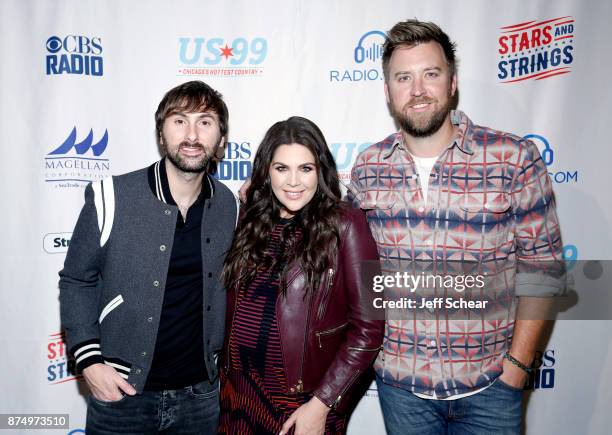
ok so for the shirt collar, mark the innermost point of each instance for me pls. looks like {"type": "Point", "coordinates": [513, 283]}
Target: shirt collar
{"type": "Point", "coordinates": [158, 182]}
{"type": "Point", "coordinates": [461, 139]}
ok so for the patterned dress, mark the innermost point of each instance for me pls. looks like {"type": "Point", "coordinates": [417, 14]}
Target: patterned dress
{"type": "Point", "coordinates": [253, 398]}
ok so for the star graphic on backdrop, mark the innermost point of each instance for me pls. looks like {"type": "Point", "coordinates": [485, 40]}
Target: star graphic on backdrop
{"type": "Point", "coordinates": [226, 51]}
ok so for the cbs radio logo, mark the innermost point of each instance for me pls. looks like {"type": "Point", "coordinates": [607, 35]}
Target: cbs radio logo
{"type": "Point", "coordinates": [367, 55]}
{"type": "Point", "coordinates": [543, 375]}
{"type": "Point", "coordinates": [237, 162]}
{"type": "Point", "coordinates": [56, 243]}
{"type": "Point", "coordinates": [74, 54]}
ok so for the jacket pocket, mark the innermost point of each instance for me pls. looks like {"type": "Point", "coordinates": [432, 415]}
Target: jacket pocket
{"type": "Point", "coordinates": [332, 334]}
{"type": "Point", "coordinates": [114, 303]}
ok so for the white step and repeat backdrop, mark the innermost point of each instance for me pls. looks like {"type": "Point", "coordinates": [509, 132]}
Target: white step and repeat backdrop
{"type": "Point", "coordinates": [80, 81]}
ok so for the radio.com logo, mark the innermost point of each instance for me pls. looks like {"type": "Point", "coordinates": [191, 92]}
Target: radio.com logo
{"type": "Point", "coordinates": [237, 163]}
{"type": "Point", "coordinates": [60, 368]}
{"type": "Point", "coordinates": [56, 243]}
{"type": "Point", "coordinates": [543, 375]}
{"type": "Point", "coordinates": [367, 57]}
{"type": "Point", "coordinates": [536, 50]}
{"type": "Point", "coordinates": [73, 164]}
{"type": "Point", "coordinates": [74, 54]}
{"type": "Point", "coordinates": [548, 156]}
{"type": "Point", "coordinates": [219, 57]}
{"type": "Point", "coordinates": [345, 154]}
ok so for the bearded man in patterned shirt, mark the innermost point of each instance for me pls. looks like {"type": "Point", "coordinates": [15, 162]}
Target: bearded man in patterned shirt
{"type": "Point", "coordinates": [445, 197]}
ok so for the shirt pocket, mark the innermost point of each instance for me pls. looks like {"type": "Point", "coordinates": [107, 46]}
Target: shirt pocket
{"type": "Point", "coordinates": [381, 200]}
{"type": "Point", "coordinates": [475, 209]}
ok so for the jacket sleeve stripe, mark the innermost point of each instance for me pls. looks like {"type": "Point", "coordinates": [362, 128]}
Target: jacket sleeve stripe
{"type": "Point", "coordinates": [109, 209]}
{"type": "Point", "coordinates": [82, 349]}
{"type": "Point", "coordinates": [98, 199]}
{"type": "Point", "coordinates": [110, 307]}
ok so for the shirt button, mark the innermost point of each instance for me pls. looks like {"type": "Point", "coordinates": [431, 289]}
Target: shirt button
{"type": "Point", "coordinates": [208, 308]}
{"type": "Point", "coordinates": [167, 212]}
{"type": "Point", "coordinates": [134, 385]}
{"type": "Point", "coordinates": [432, 342]}
{"type": "Point", "coordinates": [138, 371]}
{"type": "Point", "coordinates": [150, 319]}
{"type": "Point", "coordinates": [207, 240]}
{"type": "Point", "coordinates": [143, 354]}
{"type": "Point", "coordinates": [210, 274]}
{"type": "Point", "coordinates": [162, 248]}
{"type": "Point", "coordinates": [421, 209]}
{"type": "Point", "coordinates": [156, 283]}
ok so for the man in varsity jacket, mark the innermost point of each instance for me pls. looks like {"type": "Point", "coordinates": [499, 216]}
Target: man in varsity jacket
{"type": "Point", "coordinates": [141, 299]}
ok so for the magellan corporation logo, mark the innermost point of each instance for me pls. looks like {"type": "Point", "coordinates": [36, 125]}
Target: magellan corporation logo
{"type": "Point", "coordinates": [60, 368]}
{"type": "Point", "coordinates": [219, 57]}
{"type": "Point", "coordinates": [548, 156]}
{"type": "Point", "coordinates": [73, 164]}
{"type": "Point", "coordinates": [536, 49]}
{"type": "Point", "coordinates": [74, 54]}
{"type": "Point", "coordinates": [56, 243]}
{"type": "Point", "coordinates": [237, 163]}
{"type": "Point", "coordinates": [367, 55]}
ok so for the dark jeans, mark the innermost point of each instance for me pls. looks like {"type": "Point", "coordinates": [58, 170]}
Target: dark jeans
{"type": "Point", "coordinates": [495, 410]}
{"type": "Point", "coordinates": [191, 410]}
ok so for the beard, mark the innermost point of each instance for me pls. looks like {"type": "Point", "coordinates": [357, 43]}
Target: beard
{"type": "Point", "coordinates": [422, 127]}
{"type": "Point", "coordinates": [190, 165]}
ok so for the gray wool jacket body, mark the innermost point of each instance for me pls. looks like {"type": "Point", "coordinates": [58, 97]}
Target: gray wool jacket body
{"type": "Point", "coordinates": [114, 276]}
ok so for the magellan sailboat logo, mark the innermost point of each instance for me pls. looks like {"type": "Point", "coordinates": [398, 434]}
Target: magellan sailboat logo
{"type": "Point", "coordinates": [73, 164]}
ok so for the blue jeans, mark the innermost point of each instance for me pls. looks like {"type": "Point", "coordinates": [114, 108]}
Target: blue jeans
{"type": "Point", "coordinates": [495, 410]}
{"type": "Point", "coordinates": [191, 410]}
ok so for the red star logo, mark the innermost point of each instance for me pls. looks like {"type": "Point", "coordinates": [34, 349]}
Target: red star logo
{"type": "Point", "coordinates": [226, 51]}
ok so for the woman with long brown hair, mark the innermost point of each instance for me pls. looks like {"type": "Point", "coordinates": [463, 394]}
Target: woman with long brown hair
{"type": "Point", "coordinates": [298, 336]}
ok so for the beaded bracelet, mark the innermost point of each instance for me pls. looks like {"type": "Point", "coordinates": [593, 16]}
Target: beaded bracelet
{"type": "Point", "coordinates": [517, 363]}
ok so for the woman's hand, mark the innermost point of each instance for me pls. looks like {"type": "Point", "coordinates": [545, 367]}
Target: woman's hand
{"type": "Point", "coordinates": [309, 419]}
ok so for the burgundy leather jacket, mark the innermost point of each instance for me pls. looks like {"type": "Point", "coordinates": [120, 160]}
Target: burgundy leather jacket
{"type": "Point", "coordinates": [327, 340]}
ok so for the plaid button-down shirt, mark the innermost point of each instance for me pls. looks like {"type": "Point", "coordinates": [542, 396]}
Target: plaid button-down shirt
{"type": "Point", "coordinates": [490, 209]}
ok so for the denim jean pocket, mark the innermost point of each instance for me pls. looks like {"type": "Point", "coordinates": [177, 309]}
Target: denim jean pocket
{"type": "Point", "coordinates": [110, 404]}
{"type": "Point", "coordinates": [204, 390]}
{"type": "Point", "coordinates": [505, 386]}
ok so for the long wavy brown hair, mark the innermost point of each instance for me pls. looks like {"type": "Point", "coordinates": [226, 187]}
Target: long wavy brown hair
{"type": "Point", "coordinates": [311, 238]}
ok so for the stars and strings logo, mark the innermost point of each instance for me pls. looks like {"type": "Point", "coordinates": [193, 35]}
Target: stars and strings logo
{"type": "Point", "coordinates": [536, 50]}
{"type": "Point", "coordinates": [60, 368]}
{"type": "Point", "coordinates": [75, 163]}
{"type": "Point", "coordinates": [219, 57]}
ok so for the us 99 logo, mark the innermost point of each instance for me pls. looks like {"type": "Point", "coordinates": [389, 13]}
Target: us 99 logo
{"type": "Point", "coordinates": [216, 50]}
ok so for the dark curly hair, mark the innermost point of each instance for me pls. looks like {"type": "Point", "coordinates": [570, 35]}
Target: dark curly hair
{"type": "Point", "coordinates": [312, 237]}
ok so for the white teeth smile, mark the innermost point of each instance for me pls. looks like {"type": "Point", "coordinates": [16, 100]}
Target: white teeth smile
{"type": "Point", "coordinates": [420, 106]}
{"type": "Point", "coordinates": [293, 195]}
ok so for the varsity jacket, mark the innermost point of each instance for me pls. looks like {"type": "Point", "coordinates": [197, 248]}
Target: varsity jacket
{"type": "Point", "coordinates": [114, 276]}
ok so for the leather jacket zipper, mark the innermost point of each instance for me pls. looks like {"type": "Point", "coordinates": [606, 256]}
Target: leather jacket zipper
{"type": "Point", "coordinates": [329, 332]}
{"type": "Point", "coordinates": [300, 383]}
{"type": "Point", "coordinates": [350, 382]}
{"type": "Point", "coordinates": [328, 285]}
